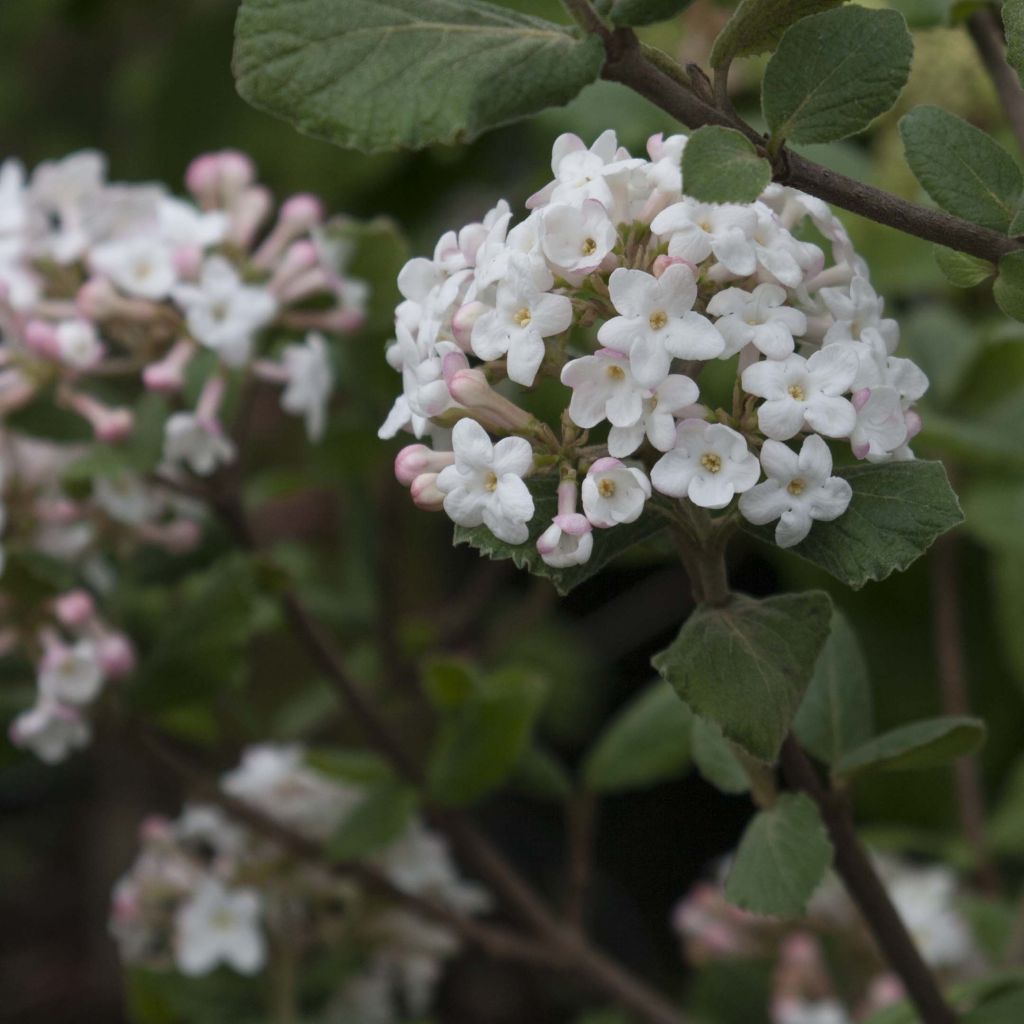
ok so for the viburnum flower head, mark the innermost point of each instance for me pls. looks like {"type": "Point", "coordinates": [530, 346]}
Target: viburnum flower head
{"type": "Point", "coordinates": [485, 485]}
{"type": "Point", "coordinates": [800, 489]}
{"type": "Point", "coordinates": [710, 464]}
{"type": "Point", "coordinates": [657, 322]}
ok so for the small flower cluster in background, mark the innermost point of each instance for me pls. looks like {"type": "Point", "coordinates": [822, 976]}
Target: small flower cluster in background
{"type": "Point", "coordinates": [826, 967]}
{"type": "Point", "coordinates": [129, 318]}
{"type": "Point", "coordinates": [624, 290]}
{"type": "Point", "coordinates": [206, 892]}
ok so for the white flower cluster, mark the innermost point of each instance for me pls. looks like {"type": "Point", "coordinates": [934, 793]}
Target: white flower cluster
{"type": "Point", "coordinates": [205, 891]}
{"type": "Point", "coordinates": [100, 279]}
{"type": "Point", "coordinates": [111, 293]}
{"type": "Point", "coordinates": [622, 287]}
{"type": "Point", "coordinates": [831, 944]}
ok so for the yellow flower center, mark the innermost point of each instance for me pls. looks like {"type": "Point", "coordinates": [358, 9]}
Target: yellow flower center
{"type": "Point", "coordinates": [522, 317]}
{"type": "Point", "coordinates": [490, 481]}
{"type": "Point", "coordinates": [796, 487]}
{"type": "Point", "coordinates": [711, 461]}
{"type": "Point", "coordinates": [616, 373]}
{"type": "Point", "coordinates": [797, 392]}
{"type": "Point", "coordinates": [589, 247]}
{"type": "Point", "coordinates": [605, 487]}
{"type": "Point", "coordinates": [657, 320]}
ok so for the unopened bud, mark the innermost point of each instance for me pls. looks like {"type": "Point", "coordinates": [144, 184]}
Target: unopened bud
{"type": "Point", "coordinates": [426, 494]}
{"type": "Point", "coordinates": [416, 459]}
{"type": "Point", "coordinates": [74, 608]}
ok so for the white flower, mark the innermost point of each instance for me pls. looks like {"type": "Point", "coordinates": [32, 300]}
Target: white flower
{"type": "Point", "coordinates": [569, 539]}
{"type": "Point", "coordinates": [658, 322]}
{"type": "Point", "coordinates": [13, 200]}
{"type": "Point", "coordinates": [66, 194]}
{"type": "Point", "coordinates": [614, 493]}
{"type": "Point", "coordinates": [310, 380]}
{"type": "Point", "coordinates": [858, 315]}
{"type": "Point", "coordinates": [603, 388]}
{"type": "Point", "coordinates": [785, 258]}
{"type": "Point", "coordinates": [219, 926]}
{"type": "Point", "coordinates": [801, 392]}
{"type": "Point", "coordinates": [797, 1011]}
{"type": "Point", "coordinates": [275, 780]}
{"type": "Point", "coordinates": [183, 226]}
{"type": "Point", "coordinates": [664, 172]}
{"type": "Point", "coordinates": [880, 427]}
{"type": "Point", "coordinates": [141, 266]}
{"type": "Point", "coordinates": [524, 316]}
{"type": "Point", "coordinates": [78, 344]}
{"type": "Point", "coordinates": [759, 318]}
{"type": "Point", "coordinates": [51, 730]}
{"type": "Point", "coordinates": [485, 484]}
{"type": "Point", "coordinates": [197, 442]}
{"type": "Point", "coordinates": [699, 230]}
{"type": "Point", "coordinates": [222, 312]}
{"type": "Point", "coordinates": [925, 899]}
{"type": "Point", "coordinates": [124, 497]}
{"type": "Point", "coordinates": [799, 489]}
{"type": "Point", "coordinates": [709, 464]}
{"type": "Point", "coordinates": [674, 396]}
{"type": "Point", "coordinates": [600, 172]}
{"type": "Point", "coordinates": [71, 673]}
{"type": "Point", "coordinates": [576, 239]}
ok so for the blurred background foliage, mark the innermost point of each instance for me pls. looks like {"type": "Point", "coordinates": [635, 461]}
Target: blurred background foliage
{"type": "Point", "coordinates": [150, 84]}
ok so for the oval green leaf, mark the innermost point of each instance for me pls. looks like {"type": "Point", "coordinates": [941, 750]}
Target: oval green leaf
{"type": "Point", "coordinates": [721, 166]}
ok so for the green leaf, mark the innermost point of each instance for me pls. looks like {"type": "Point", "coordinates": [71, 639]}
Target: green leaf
{"type": "Point", "coordinates": [714, 758]}
{"type": "Point", "coordinates": [994, 513]}
{"type": "Point", "coordinates": [960, 269]}
{"type": "Point", "coordinates": [1008, 289]}
{"type": "Point", "coordinates": [897, 510]}
{"type": "Point", "coordinates": [721, 166]}
{"type": "Point", "coordinates": [647, 742]}
{"type": "Point", "coordinates": [1005, 1008]}
{"type": "Point", "coordinates": [747, 664]}
{"type": "Point", "coordinates": [645, 12]}
{"type": "Point", "coordinates": [834, 73]}
{"type": "Point", "coordinates": [376, 822]}
{"type": "Point", "coordinates": [924, 744]}
{"type": "Point", "coordinates": [756, 26]}
{"type": "Point", "coordinates": [782, 858]}
{"type": "Point", "coordinates": [945, 344]}
{"type": "Point", "coordinates": [837, 711]}
{"type": "Point", "coordinates": [1013, 23]}
{"type": "Point", "coordinates": [406, 72]}
{"type": "Point", "coordinates": [358, 767]}
{"type": "Point", "coordinates": [539, 774]}
{"type": "Point", "coordinates": [481, 741]}
{"type": "Point", "coordinates": [608, 544]}
{"type": "Point", "coordinates": [961, 167]}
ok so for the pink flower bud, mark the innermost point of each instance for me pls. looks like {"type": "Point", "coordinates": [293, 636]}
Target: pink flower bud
{"type": "Point", "coordinates": [203, 177]}
{"type": "Point", "coordinates": [41, 337]}
{"type": "Point", "coordinates": [210, 398]}
{"type": "Point", "coordinates": [426, 494]}
{"type": "Point", "coordinates": [74, 608]}
{"type": "Point", "coordinates": [108, 424]}
{"type": "Point", "coordinates": [471, 389]}
{"type": "Point", "coordinates": [168, 375]}
{"type": "Point", "coordinates": [247, 212]}
{"type": "Point", "coordinates": [116, 656]}
{"type": "Point", "coordinates": [417, 459]}
{"type": "Point", "coordinates": [663, 262]}
{"type": "Point", "coordinates": [302, 211]}
{"type": "Point", "coordinates": [187, 260]}
{"type": "Point", "coordinates": [860, 399]}
{"type": "Point", "coordinates": [99, 300]}
{"type": "Point", "coordinates": [914, 423]}
{"type": "Point", "coordinates": [451, 364]}
{"type": "Point", "coordinates": [237, 171]}
{"type": "Point", "coordinates": [464, 319]}
{"type": "Point", "coordinates": [298, 258]}
{"type": "Point", "coordinates": [311, 282]}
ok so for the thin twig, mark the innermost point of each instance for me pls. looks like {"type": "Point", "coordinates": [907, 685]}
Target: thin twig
{"type": "Point", "coordinates": [627, 64]}
{"type": "Point", "coordinates": [986, 30]}
{"type": "Point", "coordinates": [581, 812]}
{"type": "Point", "coordinates": [947, 637]}
{"type": "Point", "coordinates": [866, 889]}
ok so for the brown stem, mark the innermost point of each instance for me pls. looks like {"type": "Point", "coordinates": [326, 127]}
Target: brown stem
{"type": "Point", "coordinates": [626, 63]}
{"type": "Point", "coordinates": [865, 888]}
{"type": "Point", "coordinates": [580, 815]}
{"type": "Point", "coordinates": [986, 30]}
{"type": "Point", "coordinates": [947, 637]}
